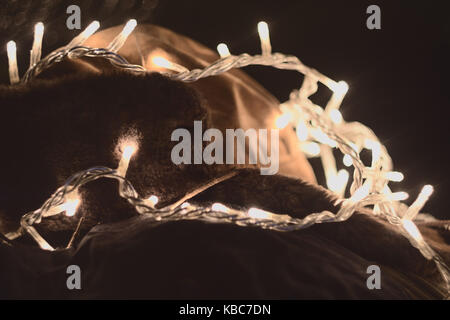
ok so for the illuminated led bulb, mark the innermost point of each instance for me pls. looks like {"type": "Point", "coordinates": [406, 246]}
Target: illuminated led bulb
{"type": "Point", "coordinates": [338, 183]}
{"type": "Point", "coordinates": [259, 213]}
{"type": "Point", "coordinates": [36, 50]}
{"type": "Point", "coordinates": [347, 160]}
{"type": "Point", "coordinates": [185, 205]}
{"type": "Point", "coordinates": [412, 229]}
{"type": "Point", "coordinates": [127, 153]}
{"type": "Point", "coordinates": [152, 200]}
{"type": "Point", "coordinates": [336, 116]}
{"type": "Point", "coordinates": [311, 149]}
{"type": "Point", "coordinates": [263, 31]}
{"type": "Point", "coordinates": [399, 196]}
{"type": "Point", "coordinates": [361, 192]}
{"type": "Point", "coordinates": [417, 205]}
{"type": "Point", "coordinates": [120, 39]}
{"type": "Point", "coordinates": [375, 147]}
{"type": "Point", "coordinates": [283, 120]}
{"type": "Point", "coordinates": [12, 61]}
{"type": "Point", "coordinates": [341, 88]}
{"type": "Point", "coordinates": [223, 50]}
{"type": "Point", "coordinates": [70, 207]}
{"type": "Point", "coordinates": [84, 35]}
{"type": "Point", "coordinates": [394, 176]}
{"type": "Point", "coordinates": [302, 131]}
{"type": "Point", "coordinates": [166, 64]}
{"type": "Point", "coordinates": [220, 208]}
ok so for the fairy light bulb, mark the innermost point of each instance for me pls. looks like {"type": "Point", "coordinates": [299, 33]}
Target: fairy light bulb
{"type": "Point", "coordinates": [347, 160]}
{"type": "Point", "coordinates": [152, 200]}
{"type": "Point", "coordinates": [283, 120]}
{"type": "Point", "coordinates": [339, 91]}
{"type": "Point", "coordinates": [71, 206]}
{"type": "Point", "coordinates": [258, 213]}
{"type": "Point", "coordinates": [417, 205]}
{"type": "Point", "coordinates": [36, 49]}
{"type": "Point", "coordinates": [263, 31]}
{"type": "Point", "coordinates": [398, 196]}
{"type": "Point", "coordinates": [311, 149]}
{"type": "Point", "coordinates": [12, 62]}
{"type": "Point", "coordinates": [185, 205]}
{"type": "Point", "coordinates": [166, 64]}
{"type": "Point", "coordinates": [120, 39]}
{"type": "Point", "coordinates": [412, 229]}
{"type": "Point", "coordinates": [223, 50]}
{"type": "Point", "coordinates": [220, 208]}
{"type": "Point", "coordinates": [394, 176]}
{"type": "Point", "coordinates": [336, 116]}
{"type": "Point", "coordinates": [84, 35]}
{"type": "Point", "coordinates": [301, 131]}
{"type": "Point", "coordinates": [338, 182]}
{"type": "Point", "coordinates": [129, 147]}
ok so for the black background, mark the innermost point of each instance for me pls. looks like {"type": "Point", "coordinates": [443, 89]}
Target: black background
{"type": "Point", "coordinates": [398, 76]}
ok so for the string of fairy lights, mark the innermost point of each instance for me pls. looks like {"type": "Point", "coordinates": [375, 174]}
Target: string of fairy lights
{"type": "Point", "coordinates": [319, 131]}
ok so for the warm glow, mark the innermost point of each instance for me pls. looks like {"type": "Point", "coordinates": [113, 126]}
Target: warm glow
{"type": "Point", "coordinates": [375, 147]}
{"type": "Point", "coordinates": [166, 64]}
{"type": "Point", "coordinates": [223, 50]}
{"type": "Point", "coordinates": [258, 213]}
{"type": "Point", "coordinates": [283, 120]}
{"type": "Point", "coordinates": [220, 207]}
{"type": "Point", "coordinates": [427, 190]}
{"type": "Point", "coordinates": [336, 116]}
{"type": "Point", "coordinates": [399, 196]}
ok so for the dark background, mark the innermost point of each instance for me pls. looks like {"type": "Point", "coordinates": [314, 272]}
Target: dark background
{"type": "Point", "coordinates": [398, 76]}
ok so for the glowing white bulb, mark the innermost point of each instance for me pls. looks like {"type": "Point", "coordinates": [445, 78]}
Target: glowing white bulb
{"type": "Point", "coordinates": [412, 229]}
{"type": "Point", "coordinates": [128, 151]}
{"type": "Point", "coordinates": [220, 207]}
{"type": "Point", "coordinates": [302, 131]}
{"type": "Point", "coordinates": [399, 196]}
{"type": "Point", "coordinates": [341, 88]}
{"type": "Point", "coordinates": [338, 182]}
{"type": "Point", "coordinates": [283, 120]}
{"type": "Point", "coordinates": [263, 31]}
{"type": "Point", "coordinates": [347, 160]}
{"type": "Point", "coordinates": [258, 213]}
{"type": "Point", "coordinates": [12, 61]}
{"type": "Point", "coordinates": [70, 207]}
{"type": "Point", "coordinates": [185, 205]}
{"type": "Point", "coordinates": [311, 149]}
{"type": "Point", "coordinates": [417, 205]}
{"type": "Point", "coordinates": [84, 35]}
{"type": "Point", "coordinates": [336, 116]}
{"type": "Point", "coordinates": [375, 147]}
{"type": "Point", "coordinates": [36, 50]}
{"type": "Point", "coordinates": [166, 64]}
{"type": "Point", "coordinates": [119, 41]}
{"type": "Point", "coordinates": [153, 200]}
{"type": "Point", "coordinates": [223, 50]}
{"type": "Point", "coordinates": [361, 192]}
{"type": "Point", "coordinates": [394, 176]}
{"type": "Point", "coordinates": [128, 146]}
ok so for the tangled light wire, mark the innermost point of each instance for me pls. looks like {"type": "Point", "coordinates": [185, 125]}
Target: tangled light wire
{"type": "Point", "coordinates": [319, 131]}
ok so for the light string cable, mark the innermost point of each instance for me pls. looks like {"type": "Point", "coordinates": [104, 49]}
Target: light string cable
{"type": "Point", "coordinates": [319, 131]}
